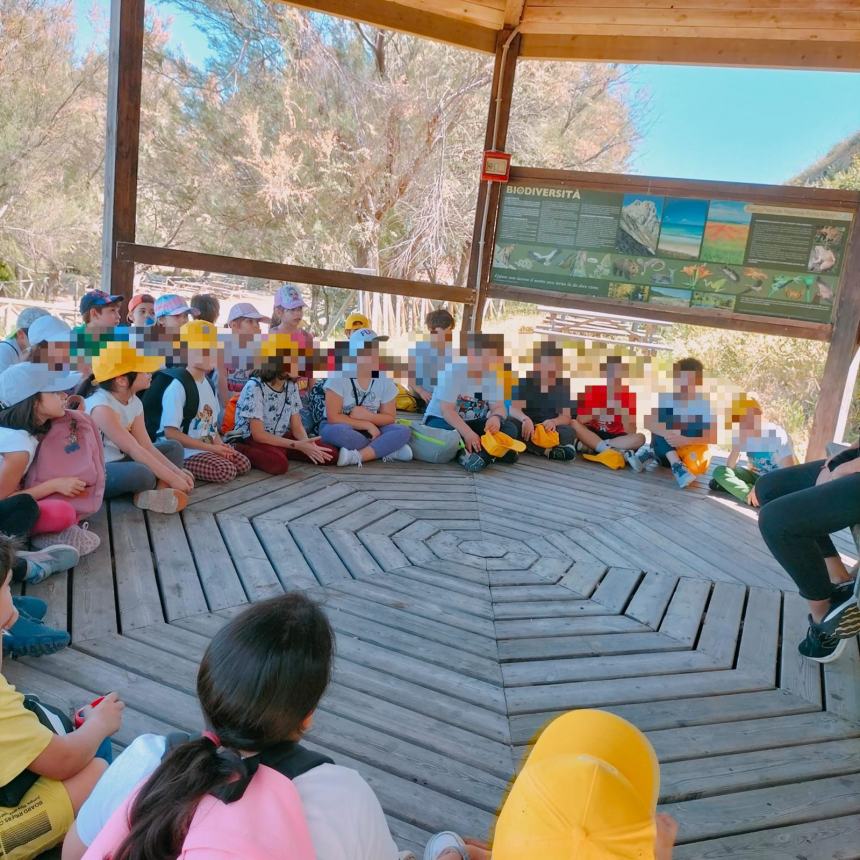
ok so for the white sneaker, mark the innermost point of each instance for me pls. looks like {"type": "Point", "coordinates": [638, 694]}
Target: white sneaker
{"type": "Point", "coordinates": [404, 454]}
{"type": "Point", "coordinates": [633, 461]}
{"type": "Point", "coordinates": [349, 457]}
{"type": "Point", "coordinates": [78, 536]}
{"type": "Point", "coordinates": [647, 457]}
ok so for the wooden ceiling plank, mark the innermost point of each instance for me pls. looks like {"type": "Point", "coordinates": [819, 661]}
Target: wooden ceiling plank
{"type": "Point", "coordinates": [713, 5]}
{"type": "Point", "coordinates": [808, 21]}
{"type": "Point", "coordinates": [405, 19]}
{"type": "Point", "coordinates": [489, 14]}
{"type": "Point", "coordinates": [656, 30]}
{"type": "Point", "coordinates": [753, 53]}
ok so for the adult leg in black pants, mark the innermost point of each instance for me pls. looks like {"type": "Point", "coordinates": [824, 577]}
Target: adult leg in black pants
{"type": "Point", "coordinates": [796, 520]}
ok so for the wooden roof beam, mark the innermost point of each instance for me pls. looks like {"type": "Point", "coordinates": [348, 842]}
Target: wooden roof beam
{"type": "Point", "coordinates": [514, 12]}
{"type": "Point", "coordinates": [406, 19]}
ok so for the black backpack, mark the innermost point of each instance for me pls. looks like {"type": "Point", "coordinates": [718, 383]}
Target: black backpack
{"type": "Point", "coordinates": [154, 395]}
{"type": "Point", "coordinates": [316, 407]}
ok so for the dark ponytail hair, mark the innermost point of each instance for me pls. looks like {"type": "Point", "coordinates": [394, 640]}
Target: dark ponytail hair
{"type": "Point", "coordinates": [89, 385]}
{"type": "Point", "coordinates": [22, 416]}
{"type": "Point", "coordinates": [260, 678]}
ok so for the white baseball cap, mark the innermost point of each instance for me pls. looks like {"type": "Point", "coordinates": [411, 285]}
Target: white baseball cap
{"type": "Point", "coordinates": [245, 311]}
{"type": "Point", "coordinates": [51, 329]}
{"type": "Point", "coordinates": [361, 337]}
{"type": "Point", "coordinates": [28, 316]}
{"type": "Point", "coordinates": [288, 297]}
{"type": "Point", "coordinates": [25, 379]}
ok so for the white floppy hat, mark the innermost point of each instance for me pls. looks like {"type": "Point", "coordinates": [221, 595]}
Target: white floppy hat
{"type": "Point", "coordinates": [23, 380]}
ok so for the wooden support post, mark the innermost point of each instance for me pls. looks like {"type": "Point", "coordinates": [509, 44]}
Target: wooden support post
{"type": "Point", "coordinates": [841, 355]}
{"type": "Point", "coordinates": [125, 73]}
{"type": "Point", "coordinates": [496, 137]}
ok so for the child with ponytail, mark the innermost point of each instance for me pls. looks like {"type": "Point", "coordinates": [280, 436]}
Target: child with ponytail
{"type": "Point", "coordinates": [246, 788]}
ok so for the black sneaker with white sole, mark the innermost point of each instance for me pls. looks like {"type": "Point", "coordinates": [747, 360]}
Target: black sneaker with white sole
{"type": "Point", "coordinates": [819, 646]}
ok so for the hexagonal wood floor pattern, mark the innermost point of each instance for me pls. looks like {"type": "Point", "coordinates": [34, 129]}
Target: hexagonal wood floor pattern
{"type": "Point", "coordinates": [468, 611]}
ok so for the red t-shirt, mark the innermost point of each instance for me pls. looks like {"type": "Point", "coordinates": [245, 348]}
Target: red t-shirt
{"type": "Point", "coordinates": [594, 400]}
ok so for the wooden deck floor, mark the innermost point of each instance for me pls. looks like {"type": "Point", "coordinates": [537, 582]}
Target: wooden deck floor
{"type": "Point", "coordinates": [468, 610]}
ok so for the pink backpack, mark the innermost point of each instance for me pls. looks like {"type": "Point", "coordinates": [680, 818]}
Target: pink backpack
{"type": "Point", "coordinates": [72, 448]}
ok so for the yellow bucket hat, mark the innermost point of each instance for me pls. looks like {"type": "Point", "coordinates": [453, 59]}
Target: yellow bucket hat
{"type": "Point", "coordinates": [544, 438]}
{"type": "Point", "coordinates": [498, 444]}
{"type": "Point", "coordinates": [354, 322]}
{"type": "Point", "coordinates": [279, 344]}
{"type": "Point", "coordinates": [119, 357]}
{"type": "Point", "coordinates": [588, 790]}
{"type": "Point", "coordinates": [199, 334]}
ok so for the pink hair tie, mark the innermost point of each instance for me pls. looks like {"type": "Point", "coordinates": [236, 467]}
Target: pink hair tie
{"type": "Point", "coordinates": [211, 736]}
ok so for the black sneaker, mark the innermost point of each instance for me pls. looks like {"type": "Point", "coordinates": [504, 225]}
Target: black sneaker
{"type": "Point", "coordinates": [843, 620]}
{"type": "Point", "coordinates": [509, 457]}
{"type": "Point", "coordinates": [819, 646]}
{"type": "Point", "coordinates": [713, 485]}
{"type": "Point", "coordinates": [561, 452]}
{"type": "Point", "coordinates": [845, 590]}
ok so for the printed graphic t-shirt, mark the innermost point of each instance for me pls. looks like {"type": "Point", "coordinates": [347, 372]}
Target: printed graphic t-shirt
{"type": "Point", "coordinates": [274, 408]}
{"type": "Point", "coordinates": [768, 449]}
{"type": "Point", "coordinates": [473, 397]}
{"type": "Point", "coordinates": [595, 399]}
{"type": "Point", "coordinates": [382, 390]}
{"type": "Point", "coordinates": [204, 425]}
{"type": "Point", "coordinates": [126, 412]}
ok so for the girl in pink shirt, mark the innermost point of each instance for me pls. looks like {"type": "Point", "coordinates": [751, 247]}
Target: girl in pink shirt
{"type": "Point", "coordinates": [228, 795]}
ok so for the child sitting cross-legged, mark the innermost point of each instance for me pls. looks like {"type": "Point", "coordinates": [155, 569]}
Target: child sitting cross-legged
{"type": "Point", "coordinates": [44, 777]}
{"type": "Point", "coordinates": [268, 428]}
{"type": "Point", "coordinates": [541, 397]}
{"type": "Point", "coordinates": [187, 409]}
{"type": "Point", "coordinates": [682, 425]}
{"type": "Point", "coordinates": [151, 473]}
{"type": "Point", "coordinates": [247, 788]}
{"type": "Point", "coordinates": [767, 447]}
{"type": "Point", "coordinates": [428, 358]}
{"type": "Point", "coordinates": [605, 422]}
{"type": "Point", "coordinates": [360, 407]}
{"type": "Point", "coordinates": [470, 399]}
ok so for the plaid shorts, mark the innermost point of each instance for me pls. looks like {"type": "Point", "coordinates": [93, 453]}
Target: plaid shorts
{"type": "Point", "coordinates": [217, 469]}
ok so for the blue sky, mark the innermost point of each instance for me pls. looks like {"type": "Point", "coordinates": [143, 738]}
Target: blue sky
{"type": "Point", "coordinates": [744, 125]}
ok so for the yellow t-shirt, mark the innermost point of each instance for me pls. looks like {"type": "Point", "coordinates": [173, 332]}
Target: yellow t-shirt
{"type": "Point", "coordinates": [22, 737]}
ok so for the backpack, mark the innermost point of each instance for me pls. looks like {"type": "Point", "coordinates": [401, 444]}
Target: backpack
{"type": "Point", "coordinates": [405, 402]}
{"type": "Point", "coordinates": [51, 718]}
{"type": "Point", "coordinates": [72, 448]}
{"type": "Point", "coordinates": [316, 407]}
{"type": "Point", "coordinates": [153, 398]}
{"type": "Point", "coordinates": [432, 444]}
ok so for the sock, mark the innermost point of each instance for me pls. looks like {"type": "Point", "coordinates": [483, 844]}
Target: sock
{"type": "Point", "coordinates": [601, 447]}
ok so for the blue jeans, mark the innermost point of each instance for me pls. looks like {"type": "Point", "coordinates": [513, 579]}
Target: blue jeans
{"type": "Point", "coordinates": [127, 476]}
{"type": "Point", "coordinates": [391, 438]}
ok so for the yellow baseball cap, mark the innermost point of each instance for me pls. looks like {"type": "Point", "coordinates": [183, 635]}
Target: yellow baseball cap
{"type": "Point", "coordinates": [119, 357]}
{"type": "Point", "coordinates": [356, 321]}
{"type": "Point", "coordinates": [199, 334]}
{"type": "Point", "coordinates": [498, 444]}
{"type": "Point", "coordinates": [741, 405]}
{"type": "Point", "coordinates": [544, 438]}
{"type": "Point", "coordinates": [279, 343]}
{"type": "Point", "coordinates": [588, 790]}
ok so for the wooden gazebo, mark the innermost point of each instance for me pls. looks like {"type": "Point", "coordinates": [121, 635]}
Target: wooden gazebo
{"type": "Point", "coordinates": [795, 34]}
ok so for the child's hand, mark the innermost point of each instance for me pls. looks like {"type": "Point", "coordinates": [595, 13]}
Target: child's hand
{"type": "Point", "coordinates": [68, 486]}
{"type": "Point", "coordinates": [477, 850]}
{"type": "Point", "coordinates": [550, 424]}
{"type": "Point", "coordinates": [313, 450]}
{"type": "Point", "coordinates": [360, 413]}
{"type": "Point", "coordinates": [528, 429]}
{"type": "Point", "coordinates": [493, 425]}
{"type": "Point", "coordinates": [472, 441]}
{"type": "Point", "coordinates": [752, 498]}
{"type": "Point", "coordinates": [674, 438]}
{"type": "Point", "coordinates": [107, 714]}
{"type": "Point", "coordinates": [220, 449]}
{"type": "Point", "coordinates": [371, 428]}
{"type": "Point", "coordinates": [667, 830]}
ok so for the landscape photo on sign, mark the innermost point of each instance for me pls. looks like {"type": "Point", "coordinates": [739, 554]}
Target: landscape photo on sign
{"type": "Point", "coordinates": [682, 228]}
{"type": "Point", "coordinates": [639, 225]}
{"type": "Point", "coordinates": [726, 232]}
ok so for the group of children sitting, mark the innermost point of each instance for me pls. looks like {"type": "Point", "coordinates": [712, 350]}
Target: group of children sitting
{"type": "Point", "coordinates": [248, 789]}
{"type": "Point", "coordinates": [150, 408]}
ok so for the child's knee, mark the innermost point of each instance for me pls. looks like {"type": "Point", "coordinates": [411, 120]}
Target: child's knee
{"type": "Point", "coordinates": [54, 516]}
